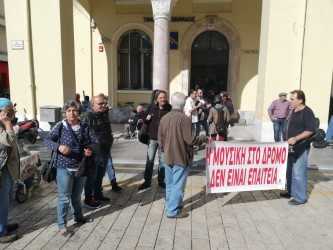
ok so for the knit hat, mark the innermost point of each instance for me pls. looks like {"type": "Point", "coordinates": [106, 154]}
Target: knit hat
{"type": "Point", "coordinates": [4, 102]}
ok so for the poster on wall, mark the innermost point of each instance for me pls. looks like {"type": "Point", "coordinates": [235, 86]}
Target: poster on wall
{"type": "Point", "coordinates": [173, 40]}
{"type": "Point", "coordinates": [234, 167]}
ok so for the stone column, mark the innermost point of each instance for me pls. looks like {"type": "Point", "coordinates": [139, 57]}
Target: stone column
{"type": "Point", "coordinates": [280, 57]}
{"type": "Point", "coordinates": [161, 12]}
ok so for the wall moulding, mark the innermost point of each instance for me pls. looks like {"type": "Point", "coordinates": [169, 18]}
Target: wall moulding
{"type": "Point", "coordinates": [211, 23]}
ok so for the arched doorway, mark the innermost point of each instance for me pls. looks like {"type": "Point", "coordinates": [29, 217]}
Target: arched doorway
{"type": "Point", "coordinates": [210, 61]}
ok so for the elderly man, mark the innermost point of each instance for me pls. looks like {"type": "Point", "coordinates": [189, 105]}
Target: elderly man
{"type": "Point", "coordinates": [9, 168]}
{"type": "Point", "coordinates": [176, 141]}
{"type": "Point", "coordinates": [101, 132]}
{"type": "Point", "coordinates": [278, 112]}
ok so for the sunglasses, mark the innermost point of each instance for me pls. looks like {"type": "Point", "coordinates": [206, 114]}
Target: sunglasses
{"type": "Point", "coordinates": [101, 103]}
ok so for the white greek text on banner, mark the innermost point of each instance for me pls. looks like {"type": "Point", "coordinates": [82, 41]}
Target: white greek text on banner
{"type": "Point", "coordinates": [233, 167]}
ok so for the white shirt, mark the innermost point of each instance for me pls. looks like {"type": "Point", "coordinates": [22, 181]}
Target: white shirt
{"type": "Point", "coordinates": [188, 110]}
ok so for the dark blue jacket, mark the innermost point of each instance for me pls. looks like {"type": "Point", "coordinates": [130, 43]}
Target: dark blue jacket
{"type": "Point", "coordinates": [62, 134]}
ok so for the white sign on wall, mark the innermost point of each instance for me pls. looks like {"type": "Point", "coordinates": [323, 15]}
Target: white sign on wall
{"type": "Point", "coordinates": [17, 44]}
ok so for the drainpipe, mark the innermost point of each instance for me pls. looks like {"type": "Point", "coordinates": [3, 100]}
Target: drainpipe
{"type": "Point", "coordinates": [31, 61]}
{"type": "Point", "coordinates": [303, 43]}
{"type": "Point", "coordinates": [92, 26]}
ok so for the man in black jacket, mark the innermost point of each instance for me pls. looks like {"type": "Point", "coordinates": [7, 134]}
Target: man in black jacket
{"type": "Point", "coordinates": [101, 132]}
{"type": "Point", "coordinates": [155, 112]}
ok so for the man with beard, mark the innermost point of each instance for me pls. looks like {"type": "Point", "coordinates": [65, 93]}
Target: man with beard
{"type": "Point", "coordinates": [155, 112]}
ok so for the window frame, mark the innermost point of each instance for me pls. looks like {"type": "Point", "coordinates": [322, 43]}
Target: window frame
{"type": "Point", "coordinates": [128, 51]}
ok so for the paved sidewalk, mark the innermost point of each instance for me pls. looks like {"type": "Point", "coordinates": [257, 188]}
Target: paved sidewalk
{"type": "Point", "coordinates": [246, 220]}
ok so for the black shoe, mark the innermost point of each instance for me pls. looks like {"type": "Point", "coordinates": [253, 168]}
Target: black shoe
{"type": "Point", "coordinates": [144, 186]}
{"type": "Point", "coordinates": [83, 220]}
{"type": "Point", "coordinates": [179, 216]}
{"type": "Point", "coordinates": [162, 185]}
{"type": "Point", "coordinates": [115, 187]}
{"type": "Point", "coordinates": [8, 238]}
{"type": "Point", "coordinates": [102, 198]}
{"type": "Point", "coordinates": [285, 195]}
{"type": "Point", "coordinates": [294, 202]}
{"type": "Point", "coordinates": [12, 227]}
{"type": "Point", "coordinates": [91, 203]}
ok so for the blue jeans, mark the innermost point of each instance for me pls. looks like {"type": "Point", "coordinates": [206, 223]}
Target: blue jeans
{"type": "Point", "coordinates": [196, 128]}
{"type": "Point", "coordinates": [279, 129]}
{"type": "Point", "coordinates": [69, 192]}
{"type": "Point", "coordinates": [110, 170]}
{"type": "Point", "coordinates": [6, 187]}
{"type": "Point", "coordinates": [329, 132]}
{"type": "Point", "coordinates": [153, 147]}
{"type": "Point", "coordinates": [297, 177]}
{"type": "Point", "coordinates": [175, 180]}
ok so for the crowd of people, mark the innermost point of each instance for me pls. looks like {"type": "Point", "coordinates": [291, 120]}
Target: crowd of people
{"type": "Point", "coordinates": [82, 146]}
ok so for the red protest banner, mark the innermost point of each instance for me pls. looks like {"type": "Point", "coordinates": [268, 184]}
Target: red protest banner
{"type": "Point", "coordinates": [233, 167]}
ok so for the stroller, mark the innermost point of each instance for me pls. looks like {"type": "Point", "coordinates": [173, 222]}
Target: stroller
{"type": "Point", "coordinates": [134, 124]}
{"type": "Point", "coordinates": [30, 176]}
{"type": "Point", "coordinates": [133, 127]}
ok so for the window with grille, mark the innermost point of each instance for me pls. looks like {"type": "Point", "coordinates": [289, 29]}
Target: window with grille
{"type": "Point", "coordinates": [135, 61]}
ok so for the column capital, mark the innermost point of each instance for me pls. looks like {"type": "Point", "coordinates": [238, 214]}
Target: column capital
{"type": "Point", "coordinates": [162, 8]}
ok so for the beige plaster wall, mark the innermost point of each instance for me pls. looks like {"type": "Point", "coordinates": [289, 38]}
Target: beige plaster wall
{"type": "Point", "coordinates": [135, 97]}
{"type": "Point", "coordinates": [280, 51]}
{"type": "Point", "coordinates": [82, 38]}
{"type": "Point", "coordinates": [317, 70]}
{"type": "Point", "coordinates": [111, 18]}
{"type": "Point", "coordinates": [53, 51]}
{"type": "Point", "coordinates": [18, 60]}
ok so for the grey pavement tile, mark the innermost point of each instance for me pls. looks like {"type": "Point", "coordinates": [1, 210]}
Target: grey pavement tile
{"type": "Point", "coordinates": [247, 220]}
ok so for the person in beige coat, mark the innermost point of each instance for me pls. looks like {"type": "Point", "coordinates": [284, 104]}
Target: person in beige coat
{"type": "Point", "coordinates": [9, 168]}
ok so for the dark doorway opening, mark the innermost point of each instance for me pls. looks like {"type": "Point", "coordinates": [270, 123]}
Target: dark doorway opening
{"type": "Point", "coordinates": [209, 62]}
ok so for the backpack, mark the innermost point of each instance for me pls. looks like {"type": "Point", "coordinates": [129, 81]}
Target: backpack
{"type": "Point", "coordinates": [4, 153]}
{"type": "Point", "coordinates": [318, 137]}
{"type": "Point", "coordinates": [221, 122]}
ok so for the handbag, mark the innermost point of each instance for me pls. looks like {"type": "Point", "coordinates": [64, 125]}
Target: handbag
{"type": "Point", "coordinates": [49, 169]}
{"type": "Point", "coordinates": [143, 134]}
{"type": "Point", "coordinates": [86, 168]}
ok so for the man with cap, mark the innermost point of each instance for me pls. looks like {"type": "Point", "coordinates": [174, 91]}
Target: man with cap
{"type": "Point", "coordinates": [9, 168]}
{"type": "Point", "coordinates": [278, 112]}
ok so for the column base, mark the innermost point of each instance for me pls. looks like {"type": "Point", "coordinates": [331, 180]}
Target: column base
{"type": "Point", "coordinates": [263, 131]}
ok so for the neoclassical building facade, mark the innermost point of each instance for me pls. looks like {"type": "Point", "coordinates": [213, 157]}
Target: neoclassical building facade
{"type": "Point", "coordinates": [252, 49]}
